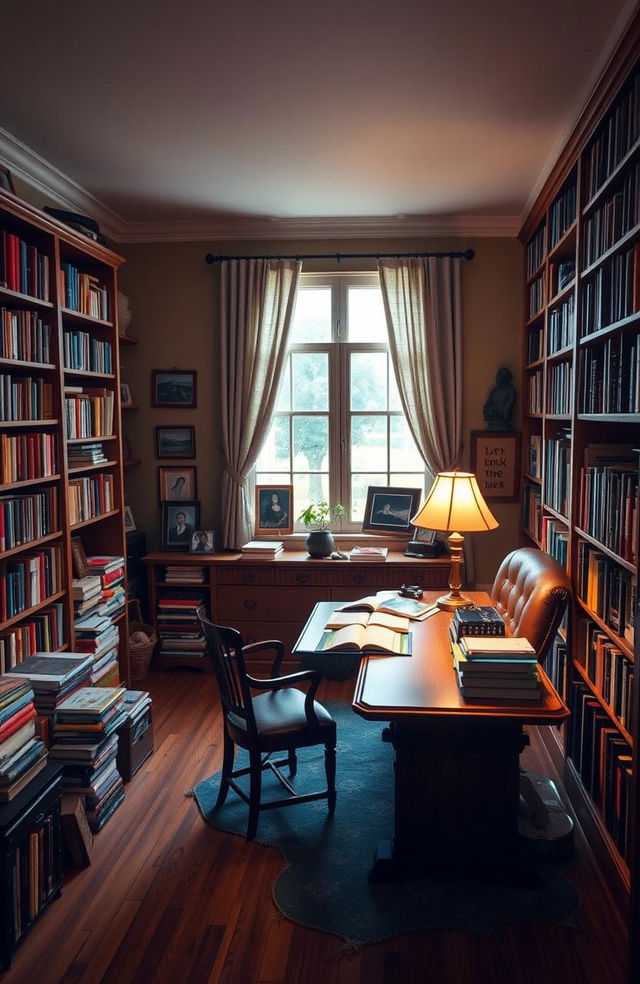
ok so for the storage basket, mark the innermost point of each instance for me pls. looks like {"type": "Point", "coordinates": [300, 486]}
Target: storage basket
{"type": "Point", "coordinates": [140, 653]}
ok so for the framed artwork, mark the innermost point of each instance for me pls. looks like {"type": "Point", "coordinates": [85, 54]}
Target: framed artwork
{"type": "Point", "coordinates": [129, 523]}
{"type": "Point", "coordinates": [274, 508]}
{"type": "Point", "coordinates": [175, 442]}
{"type": "Point", "coordinates": [203, 541]}
{"type": "Point", "coordinates": [6, 181]}
{"type": "Point", "coordinates": [495, 457]}
{"type": "Point", "coordinates": [125, 394]}
{"type": "Point", "coordinates": [388, 510]}
{"type": "Point", "coordinates": [173, 388]}
{"type": "Point", "coordinates": [179, 523]}
{"type": "Point", "coordinates": [422, 535]}
{"type": "Point", "coordinates": [80, 566]}
{"type": "Point", "coordinates": [176, 482]}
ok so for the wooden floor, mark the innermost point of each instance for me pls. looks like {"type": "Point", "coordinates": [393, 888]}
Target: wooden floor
{"type": "Point", "coordinates": [169, 899]}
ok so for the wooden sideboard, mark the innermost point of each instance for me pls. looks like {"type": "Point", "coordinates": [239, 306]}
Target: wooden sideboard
{"type": "Point", "coordinates": [272, 599]}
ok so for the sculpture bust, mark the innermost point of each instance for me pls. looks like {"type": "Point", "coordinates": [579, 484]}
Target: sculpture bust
{"type": "Point", "coordinates": [500, 402]}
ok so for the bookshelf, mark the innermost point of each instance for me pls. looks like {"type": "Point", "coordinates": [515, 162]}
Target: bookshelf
{"type": "Point", "coordinates": [581, 394]}
{"type": "Point", "coordinates": [59, 391]}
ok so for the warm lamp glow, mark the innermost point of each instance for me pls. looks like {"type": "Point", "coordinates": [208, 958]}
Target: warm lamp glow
{"type": "Point", "coordinates": [455, 503]}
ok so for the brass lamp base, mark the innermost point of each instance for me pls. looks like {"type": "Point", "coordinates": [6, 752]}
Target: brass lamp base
{"type": "Point", "coordinates": [453, 600]}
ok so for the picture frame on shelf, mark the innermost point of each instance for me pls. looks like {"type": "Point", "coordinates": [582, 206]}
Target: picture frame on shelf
{"type": "Point", "coordinates": [6, 181]}
{"type": "Point", "coordinates": [495, 461]}
{"type": "Point", "coordinates": [175, 442]}
{"type": "Point", "coordinates": [129, 522]}
{"type": "Point", "coordinates": [274, 509]}
{"type": "Point", "coordinates": [174, 388]}
{"type": "Point", "coordinates": [177, 482]}
{"type": "Point", "coordinates": [388, 510]}
{"type": "Point", "coordinates": [203, 541]}
{"type": "Point", "coordinates": [180, 520]}
{"type": "Point", "coordinates": [79, 557]}
{"type": "Point", "coordinates": [125, 395]}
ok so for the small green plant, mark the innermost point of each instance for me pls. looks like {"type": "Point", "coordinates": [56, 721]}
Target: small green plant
{"type": "Point", "coordinates": [320, 515]}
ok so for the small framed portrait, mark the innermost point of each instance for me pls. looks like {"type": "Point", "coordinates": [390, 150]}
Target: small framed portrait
{"type": "Point", "coordinates": [389, 510]}
{"type": "Point", "coordinates": [175, 442]}
{"type": "Point", "coordinates": [274, 508]}
{"type": "Point", "coordinates": [129, 522]}
{"type": "Point", "coordinates": [6, 181]}
{"type": "Point", "coordinates": [179, 523]}
{"type": "Point", "coordinates": [80, 566]}
{"type": "Point", "coordinates": [176, 483]}
{"type": "Point", "coordinates": [495, 460]}
{"type": "Point", "coordinates": [173, 388]}
{"type": "Point", "coordinates": [125, 394]}
{"type": "Point", "coordinates": [203, 541]}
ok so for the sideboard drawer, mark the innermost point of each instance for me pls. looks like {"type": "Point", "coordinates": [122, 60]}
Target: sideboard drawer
{"type": "Point", "coordinates": [267, 604]}
{"type": "Point", "coordinates": [241, 574]}
{"type": "Point", "coordinates": [305, 574]}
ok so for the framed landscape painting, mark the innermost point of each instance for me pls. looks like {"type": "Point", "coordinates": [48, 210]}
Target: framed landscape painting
{"type": "Point", "coordinates": [173, 388]}
{"type": "Point", "coordinates": [389, 510]}
{"type": "Point", "coordinates": [175, 442]}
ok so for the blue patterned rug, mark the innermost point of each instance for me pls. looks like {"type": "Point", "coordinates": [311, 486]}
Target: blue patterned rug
{"type": "Point", "coordinates": [323, 884]}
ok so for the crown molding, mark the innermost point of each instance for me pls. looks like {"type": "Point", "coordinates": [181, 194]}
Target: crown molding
{"type": "Point", "coordinates": [44, 177]}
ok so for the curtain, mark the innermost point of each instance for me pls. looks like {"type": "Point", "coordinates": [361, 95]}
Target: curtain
{"type": "Point", "coordinates": [423, 306]}
{"type": "Point", "coordinates": [256, 303]}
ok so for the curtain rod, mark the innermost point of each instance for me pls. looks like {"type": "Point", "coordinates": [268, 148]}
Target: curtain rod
{"type": "Point", "coordinates": [467, 254]}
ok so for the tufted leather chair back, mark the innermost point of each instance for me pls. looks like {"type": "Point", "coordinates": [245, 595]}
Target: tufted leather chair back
{"type": "Point", "coordinates": [531, 591]}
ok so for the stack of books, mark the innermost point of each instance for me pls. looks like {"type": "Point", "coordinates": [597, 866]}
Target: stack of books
{"type": "Point", "coordinates": [80, 455]}
{"type": "Point", "coordinates": [177, 574]}
{"type": "Point", "coordinates": [97, 599]}
{"type": "Point", "coordinates": [85, 741]}
{"type": "Point", "coordinates": [110, 570]}
{"type": "Point", "coordinates": [368, 553]}
{"type": "Point", "coordinates": [53, 676]}
{"type": "Point", "coordinates": [97, 635]}
{"type": "Point", "coordinates": [476, 620]}
{"type": "Point", "coordinates": [263, 548]}
{"type": "Point", "coordinates": [179, 631]}
{"type": "Point", "coordinates": [22, 754]}
{"type": "Point", "coordinates": [496, 668]}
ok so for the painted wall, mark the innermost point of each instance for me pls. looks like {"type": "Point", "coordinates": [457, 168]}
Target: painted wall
{"type": "Point", "coordinates": [171, 291]}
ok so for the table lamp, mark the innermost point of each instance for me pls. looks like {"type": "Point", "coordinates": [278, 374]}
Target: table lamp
{"type": "Point", "coordinates": [455, 503]}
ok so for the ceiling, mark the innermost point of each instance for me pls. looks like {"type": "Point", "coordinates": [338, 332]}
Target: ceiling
{"type": "Point", "coordinates": [209, 119]}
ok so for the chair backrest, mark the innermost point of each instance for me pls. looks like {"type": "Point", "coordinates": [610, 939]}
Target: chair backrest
{"type": "Point", "coordinates": [224, 646]}
{"type": "Point", "coordinates": [531, 591]}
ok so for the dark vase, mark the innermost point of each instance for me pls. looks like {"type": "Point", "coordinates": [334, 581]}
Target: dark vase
{"type": "Point", "coordinates": [320, 543]}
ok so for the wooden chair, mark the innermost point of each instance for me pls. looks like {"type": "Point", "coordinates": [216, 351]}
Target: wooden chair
{"type": "Point", "coordinates": [280, 719]}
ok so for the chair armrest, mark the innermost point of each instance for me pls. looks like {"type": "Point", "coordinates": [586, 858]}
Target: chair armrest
{"type": "Point", "coordinates": [254, 647]}
{"type": "Point", "coordinates": [275, 683]}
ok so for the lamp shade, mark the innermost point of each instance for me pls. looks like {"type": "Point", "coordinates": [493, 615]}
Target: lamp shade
{"type": "Point", "coordinates": [455, 503]}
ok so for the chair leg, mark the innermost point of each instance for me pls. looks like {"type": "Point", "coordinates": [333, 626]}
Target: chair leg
{"type": "Point", "coordinates": [227, 769]}
{"type": "Point", "coordinates": [293, 763]}
{"type": "Point", "coordinates": [255, 787]}
{"type": "Point", "coordinates": [330, 769]}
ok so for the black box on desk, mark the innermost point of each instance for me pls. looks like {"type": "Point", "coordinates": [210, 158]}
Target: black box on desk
{"type": "Point", "coordinates": [135, 743]}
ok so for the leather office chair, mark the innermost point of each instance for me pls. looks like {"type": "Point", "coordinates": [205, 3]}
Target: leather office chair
{"type": "Point", "coordinates": [531, 591]}
{"type": "Point", "coordinates": [281, 718]}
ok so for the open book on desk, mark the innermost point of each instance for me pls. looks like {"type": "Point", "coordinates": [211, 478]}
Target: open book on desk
{"type": "Point", "coordinates": [392, 603]}
{"type": "Point", "coordinates": [369, 637]}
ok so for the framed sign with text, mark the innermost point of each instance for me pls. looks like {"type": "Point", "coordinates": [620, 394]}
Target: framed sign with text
{"type": "Point", "coordinates": [495, 461]}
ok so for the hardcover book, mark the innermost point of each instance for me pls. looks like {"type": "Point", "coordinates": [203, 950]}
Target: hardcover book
{"type": "Point", "coordinates": [478, 620]}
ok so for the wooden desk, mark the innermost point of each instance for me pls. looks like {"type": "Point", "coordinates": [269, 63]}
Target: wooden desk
{"type": "Point", "coordinates": [456, 761]}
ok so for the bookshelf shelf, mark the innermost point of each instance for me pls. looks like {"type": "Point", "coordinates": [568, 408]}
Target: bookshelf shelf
{"type": "Point", "coordinates": [80, 469]}
{"type": "Point", "coordinates": [32, 544]}
{"type": "Point", "coordinates": [94, 519]}
{"type": "Point", "coordinates": [10, 296]}
{"type": "Point", "coordinates": [80, 316]}
{"type": "Point", "coordinates": [90, 373]}
{"type": "Point", "coordinates": [9, 487]}
{"type": "Point", "coordinates": [28, 424]}
{"type": "Point", "coordinates": [21, 364]}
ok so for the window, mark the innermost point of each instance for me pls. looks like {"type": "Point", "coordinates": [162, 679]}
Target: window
{"type": "Point", "coordinates": [338, 426]}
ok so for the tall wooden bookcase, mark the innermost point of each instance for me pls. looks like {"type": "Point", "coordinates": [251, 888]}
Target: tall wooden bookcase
{"type": "Point", "coordinates": [58, 311]}
{"type": "Point", "coordinates": [581, 401]}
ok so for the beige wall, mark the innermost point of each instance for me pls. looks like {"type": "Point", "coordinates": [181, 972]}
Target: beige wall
{"type": "Point", "coordinates": [171, 294]}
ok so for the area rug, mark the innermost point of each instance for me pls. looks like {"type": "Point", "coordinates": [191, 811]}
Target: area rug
{"type": "Point", "coordinates": [323, 884]}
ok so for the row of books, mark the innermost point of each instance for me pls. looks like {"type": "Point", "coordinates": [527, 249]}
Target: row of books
{"type": "Point", "coordinates": [562, 214]}
{"type": "Point", "coordinates": [534, 456]}
{"type": "Point", "coordinates": [89, 496]}
{"type": "Point", "coordinates": [83, 292]}
{"type": "Point", "coordinates": [24, 336]}
{"type": "Point", "coordinates": [42, 632]}
{"type": "Point", "coordinates": [555, 539]}
{"type": "Point", "coordinates": [180, 634]}
{"type": "Point", "coordinates": [83, 351]}
{"type": "Point", "coordinates": [536, 296]}
{"type": "Point", "coordinates": [608, 500]}
{"type": "Point", "coordinates": [536, 251]}
{"type": "Point", "coordinates": [532, 510]}
{"type": "Point", "coordinates": [611, 672]}
{"type": "Point", "coordinates": [23, 267]}
{"type": "Point", "coordinates": [88, 412]}
{"type": "Point", "coordinates": [612, 293]}
{"type": "Point", "coordinates": [535, 393]}
{"type": "Point", "coordinates": [607, 589]}
{"type": "Point", "coordinates": [27, 517]}
{"type": "Point", "coordinates": [610, 375]}
{"type": "Point", "coordinates": [27, 456]}
{"type": "Point", "coordinates": [557, 476]}
{"type": "Point", "coordinates": [25, 398]}
{"type": "Point", "coordinates": [560, 387]}
{"type": "Point", "coordinates": [613, 219]}
{"type": "Point", "coordinates": [614, 138]}
{"type": "Point", "coordinates": [535, 343]}
{"type": "Point", "coordinates": [181, 574]}
{"type": "Point", "coordinates": [29, 580]}
{"type": "Point", "coordinates": [561, 326]}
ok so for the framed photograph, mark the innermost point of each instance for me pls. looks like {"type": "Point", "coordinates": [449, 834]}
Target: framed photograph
{"type": "Point", "coordinates": [125, 394]}
{"type": "Point", "coordinates": [179, 523]}
{"type": "Point", "coordinates": [80, 566]}
{"type": "Point", "coordinates": [274, 508]}
{"type": "Point", "coordinates": [173, 388]}
{"type": "Point", "coordinates": [388, 510]}
{"type": "Point", "coordinates": [6, 181]}
{"type": "Point", "coordinates": [129, 523]}
{"type": "Point", "coordinates": [177, 483]}
{"type": "Point", "coordinates": [495, 457]}
{"type": "Point", "coordinates": [176, 442]}
{"type": "Point", "coordinates": [203, 541]}
{"type": "Point", "coordinates": [424, 536]}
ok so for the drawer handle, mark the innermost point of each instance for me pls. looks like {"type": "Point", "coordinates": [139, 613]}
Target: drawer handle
{"type": "Point", "coordinates": [248, 578]}
{"type": "Point", "coordinates": [357, 578]}
{"type": "Point", "coordinates": [250, 604]}
{"type": "Point", "coordinates": [302, 578]}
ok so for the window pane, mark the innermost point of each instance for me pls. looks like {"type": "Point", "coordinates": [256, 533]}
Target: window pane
{"type": "Point", "coordinates": [276, 451]}
{"type": "Point", "coordinates": [404, 454]}
{"type": "Point", "coordinates": [359, 488]}
{"type": "Point", "coordinates": [310, 380]}
{"type": "Point", "coordinates": [311, 443]}
{"type": "Point", "coordinates": [283, 402]}
{"type": "Point", "coordinates": [308, 489]}
{"type": "Point", "coordinates": [368, 380]}
{"type": "Point", "coordinates": [311, 315]}
{"type": "Point", "coordinates": [366, 315]}
{"type": "Point", "coordinates": [368, 443]}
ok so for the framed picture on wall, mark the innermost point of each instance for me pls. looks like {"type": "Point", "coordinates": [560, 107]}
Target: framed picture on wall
{"type": "Point", "coordinates": [179, 523]}
{"type": "Point", "coordinates": [177, 482]}
{"type": "Point", "coordinates": [274, 508]}
{"type": "Point", "coordinates": [388, 510]}
{"type": "Point", "coordinates": [495, 457]}
{"type": "Point", "coordinates": [173, 388]}
{"type": "Point", "coordinates": [175, 442]}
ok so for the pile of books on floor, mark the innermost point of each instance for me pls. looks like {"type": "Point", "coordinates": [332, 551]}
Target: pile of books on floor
{"type": "Point", "coordinates": [85, 742]}
{"type": "Point", "coordinates": [179, 631]}
{"type": "Point", "coordinates": [368, 553]}
{"type": "Point", "coordinates": [263, 548]}
{"type": "Point", "coordinates": [98, 598]}
{"type": "Point", "coordinates": [54, 677]}
{"type": "Point", "coordinates": [496, 668]}
{"type": "Point", "coordinates": [177, 574]}
{"type": "Point", "coordinates": [476, 620]}
{"type": "Point", "coordinates": [22, 754]}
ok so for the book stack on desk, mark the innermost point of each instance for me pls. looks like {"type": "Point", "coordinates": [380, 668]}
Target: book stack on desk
{"type": "Point", "coordinates": [496, 668]}
{"type": "Point", "coordinates": [263, 548]}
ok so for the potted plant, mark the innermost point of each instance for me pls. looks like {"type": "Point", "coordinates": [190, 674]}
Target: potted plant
{"type": "Point", "coordinates": [317, 518]}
